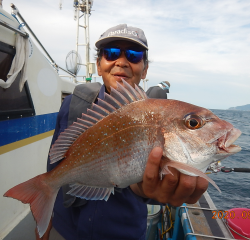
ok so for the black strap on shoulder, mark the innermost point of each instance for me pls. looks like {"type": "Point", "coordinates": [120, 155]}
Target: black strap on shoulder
{"type": "Point", "coordinates": [83, 96]}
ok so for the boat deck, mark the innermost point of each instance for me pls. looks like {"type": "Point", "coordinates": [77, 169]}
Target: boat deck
{"type": "Point", "coordinates": [202, 224]}
{"type": "Point", "coordinates": [26, 230]}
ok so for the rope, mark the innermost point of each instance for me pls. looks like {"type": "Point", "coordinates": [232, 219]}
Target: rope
{"type": "Point", "coordinates": [21, 25]}
{"type": "Point", "coordinates": [171, 221]}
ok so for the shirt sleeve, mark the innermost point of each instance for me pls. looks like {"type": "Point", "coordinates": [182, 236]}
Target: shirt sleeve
{"type": "Point", "coordinates": [145, 200]}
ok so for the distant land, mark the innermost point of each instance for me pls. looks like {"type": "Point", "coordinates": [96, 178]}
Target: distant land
{"type": "Point", "coordinates": [243, 108]}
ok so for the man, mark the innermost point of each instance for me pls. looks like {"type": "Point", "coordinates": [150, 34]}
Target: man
{"type": "Point", "coordinates": [159, 91]}
{"type": "Point", "coordinates": [122, 54]}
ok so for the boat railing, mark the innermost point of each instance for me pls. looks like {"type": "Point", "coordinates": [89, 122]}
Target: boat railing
{"type": "Point", "coordinates": [17, 14]}
{"type": "Point", "coordinates": [185, 217]}
{"type": "Point", "coordinates": [71, 77]}
{"type": "Point", "coordinates": [16, 30]}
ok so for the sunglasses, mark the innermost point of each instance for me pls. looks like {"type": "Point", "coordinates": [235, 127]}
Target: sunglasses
{"type": "Point", "coordinates": [113, 53]}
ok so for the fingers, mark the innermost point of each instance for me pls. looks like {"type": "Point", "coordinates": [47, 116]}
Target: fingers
{"type": "Point", "coordinates": [201, 187]}
{"type": "Point", "coordinates": [168, 186]}
{"type": "Point", "coordinates": [189, 190]}
{"type": "Point", "coordinates": [174, 189]}
{"type": "Point", "coordinates": [152, 186]}
{"type": "Point", "coordinates": [151, 174]}
{"type": "Point", "coordinates": [184, 190]}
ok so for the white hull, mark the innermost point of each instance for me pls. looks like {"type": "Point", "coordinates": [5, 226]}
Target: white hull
{"type": "Point", "coordinates": [26, 157]}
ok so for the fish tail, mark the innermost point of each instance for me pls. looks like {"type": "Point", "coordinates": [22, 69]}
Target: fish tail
{"type": "Point", "coordinates": [40, 196]}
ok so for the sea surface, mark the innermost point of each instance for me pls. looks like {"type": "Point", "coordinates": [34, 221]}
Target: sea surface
{"type": "Point", "coordinates": [235, 186]}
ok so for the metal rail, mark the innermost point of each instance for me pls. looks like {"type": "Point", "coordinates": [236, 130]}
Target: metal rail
{"type": "Point", "coordinates": [73, 75]}
{"type": "Point", "coordinates": [200, 208]}
{"type": "Point", "coordinates": [16, 30]}
{"type": "Point", "coordinates": [33, 35]}
{"type": "Point", "coordinates": [207, 236]}
{"type": "Point", "coordinates": [191, 226]}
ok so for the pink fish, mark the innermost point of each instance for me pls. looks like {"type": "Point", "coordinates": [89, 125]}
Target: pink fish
{"type": "Point", "coordinates": [109, 146]}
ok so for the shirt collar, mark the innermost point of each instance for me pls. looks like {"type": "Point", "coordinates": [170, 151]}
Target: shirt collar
{"type": "Point", "coordinates": [102, 91]}
{"type": "Point", "coordinates": [101, 94]}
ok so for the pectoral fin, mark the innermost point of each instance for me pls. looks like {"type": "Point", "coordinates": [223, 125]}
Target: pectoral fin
{"type": "Point", "coordinates": [165, 163]}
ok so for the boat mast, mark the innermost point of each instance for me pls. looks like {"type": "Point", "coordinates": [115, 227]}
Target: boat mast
{"type": "Point", "coordinates": [83, 9]}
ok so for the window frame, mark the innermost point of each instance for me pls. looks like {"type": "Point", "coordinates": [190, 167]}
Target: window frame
{"type": "Point", "coordinates": [18, 113]}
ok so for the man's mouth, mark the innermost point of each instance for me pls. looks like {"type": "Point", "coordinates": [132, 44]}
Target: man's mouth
{"type": "Point", "coordinates": [120, 75]}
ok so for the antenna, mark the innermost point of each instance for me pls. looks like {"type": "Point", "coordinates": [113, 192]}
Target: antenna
{"type": "Point", "coordinates": [60, 4]}
{"type": "Point", "coordinates": [83, 7]}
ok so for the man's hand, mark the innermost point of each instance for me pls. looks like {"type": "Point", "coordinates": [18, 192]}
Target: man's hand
{"type": "Point", "coordinates": [46, 234]}
{"type": "Point", "coordinates": [173, 189]}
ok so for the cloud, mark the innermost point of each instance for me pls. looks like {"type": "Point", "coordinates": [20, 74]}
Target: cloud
{"type": "Point", "coordinates": [201, 47]}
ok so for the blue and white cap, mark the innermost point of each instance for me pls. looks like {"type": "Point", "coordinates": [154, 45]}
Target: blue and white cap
{"type": "Point", "coordinates": [123, 32]}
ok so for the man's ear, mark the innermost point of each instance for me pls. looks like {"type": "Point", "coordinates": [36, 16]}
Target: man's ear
{"type": "Point", "coordinates": [144, 73]}
{"type": "Point", "coordinates": [98, 66]}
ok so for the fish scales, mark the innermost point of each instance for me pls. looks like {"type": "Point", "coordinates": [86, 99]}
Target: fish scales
{"type": "Point", "coordinates": [112, 145]}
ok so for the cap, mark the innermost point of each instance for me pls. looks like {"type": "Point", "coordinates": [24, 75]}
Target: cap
{"type": "Point", "coordinates": [164, 85]}
{"type": "Point", "coordinates": [123, 32]}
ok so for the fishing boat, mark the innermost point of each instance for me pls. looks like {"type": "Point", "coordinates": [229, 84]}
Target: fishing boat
{"type": "Point", "coordinates": [30, 98]}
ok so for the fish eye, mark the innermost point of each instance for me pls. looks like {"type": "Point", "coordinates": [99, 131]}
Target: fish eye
{"type": "Point", "coordinates": [193, 121]}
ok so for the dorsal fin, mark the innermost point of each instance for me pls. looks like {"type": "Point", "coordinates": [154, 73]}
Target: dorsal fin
{"type": "Point", "coordinates": [142, 93]}
{"type": "Point", "coordinates": [106, 105]}
{"type": "Point", "coordinates": [118, 96]}
{"type": "Point", "coordinates": [77, 128]}
{"type": "Point", "coordinates": [85, 122]}
{"type": "Point", "coordinates": [123, 95]}
{"type": "Point", "coordinates": [95, 115]}
{"type": "Point", "coordinates": [89, 118]}
{"type": "Point", "coordinates": [79, 125]}
{"type": "Point", "coordinates": [132, 91]}
{"type": "Point", "coordinates": [112, 101]}
{"type": "Point", "coordinates": [99, 109]}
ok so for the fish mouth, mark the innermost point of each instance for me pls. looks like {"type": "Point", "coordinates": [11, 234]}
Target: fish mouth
{"type": "Point", "coordinates": [225, 142]}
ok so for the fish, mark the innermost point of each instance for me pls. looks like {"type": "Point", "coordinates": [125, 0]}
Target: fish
{"type": "Point", "coordinates": [109, 146]}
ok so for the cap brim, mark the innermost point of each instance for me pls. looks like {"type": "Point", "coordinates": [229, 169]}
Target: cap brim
{"type": "Point", "coordinates": [107, 40]}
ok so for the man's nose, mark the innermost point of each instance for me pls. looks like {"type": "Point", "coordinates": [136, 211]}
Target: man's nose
{"type": "Point", "coordinates": [122, 61]}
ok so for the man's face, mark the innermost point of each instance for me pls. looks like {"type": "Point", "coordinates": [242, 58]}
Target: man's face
{"type": "Point", "coordinates": [114, 71]}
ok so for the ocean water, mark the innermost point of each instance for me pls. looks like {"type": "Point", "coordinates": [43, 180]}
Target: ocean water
{"type": "Point", "coordinates": [235, 187]}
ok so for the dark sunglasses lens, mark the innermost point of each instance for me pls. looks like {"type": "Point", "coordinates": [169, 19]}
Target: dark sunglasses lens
{"type": "Point", "coordinates": [111, 54]}
{"type": "Point", "coordinates": [134, 56]}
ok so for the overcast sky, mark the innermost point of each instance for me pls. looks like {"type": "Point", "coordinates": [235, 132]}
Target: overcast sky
{"type": "Point", "coordinates": [202, 47]}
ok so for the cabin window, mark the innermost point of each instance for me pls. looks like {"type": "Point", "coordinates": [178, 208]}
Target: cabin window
{"type": "Point", "coordinates": [65, 94]}
{"type": "Point", "coordinates": [13, 103]}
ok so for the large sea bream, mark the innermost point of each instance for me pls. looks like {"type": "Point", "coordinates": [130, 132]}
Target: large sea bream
{"type": "Point", "coordinates": [109, 146]}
